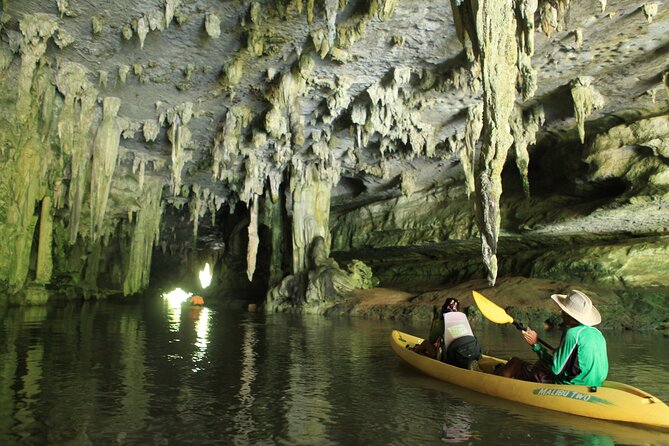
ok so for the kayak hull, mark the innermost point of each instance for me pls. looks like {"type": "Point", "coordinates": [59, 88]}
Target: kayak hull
{"type": "Point", "coordinates": [613, 401]}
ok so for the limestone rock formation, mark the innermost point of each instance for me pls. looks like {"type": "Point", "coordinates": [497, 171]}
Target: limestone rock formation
{"type": "Point", "coordinates": [321, 285]}
{"type": "Point", "coordinates": [434, 141]}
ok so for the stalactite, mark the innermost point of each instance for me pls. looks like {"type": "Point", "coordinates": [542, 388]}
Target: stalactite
{"type": "Point", "coordinates": [150, 129]}
{"type": "Point", "coordinates": [286, 113]}
{"type": "Point", "coordinates": [254, 239]}
{"type": "Point", "coordinates": [527, 80]}
{"type": "Point", "coordinates": [97, 23]}
{"type": "Point", "coordinates": [382, 9]}
{"type": "Point", "coordinates": [228, 143]}
{"type": "Point", "coordinates": [139, 169]}
{"type": "Point", "coordinates": [196, 209]}
{"type": "Point", "coordinates": [464, 19]}
{"type": "Point", "coordinates": [212, 25]}
{"type": "Point", "coordinates": [123, 71]}
{"type": "Point", "coordinates": [339, 100]}
{"type": "Point", "coordinates": [320, 41]}
{"type": "Point", "coordinates": [552, 15]}
{"type": "Point", "coordinates": [171, 7]}
{"type": "Point", "coordinates": [310, 11]}
{"type": "Point", "coordinates": [331, 20]}
{"type": "Point", "coordinates": [255, 172]}
{"type": "Point", "coordinates": [144, 234]}
{"type": "Point", "coordinates": [105, 151]}
{"type": "Point", "coordinates": [586, 100]}
{"type": "Point", "coordinates": [74, 131]}
{"type": "Point", "coordinates": [274, 219]}
{"type": "Point", "coordinates": [64, 8]}
{"type": "Point", "coordinates": [473, 130]}
{"type": "Point", "coordinates": [179, 136]}
{"type": "Point", "coordinates": [359, 119]}
{"type": "Point", "coordinates": [141, 27]}
{"type": "Point", "coordinates": [310, 188]}
{"type": "Point", "coordinates": [496, 34]}
{"type": "Point", "coordinates": [391, 115]}
{"type": "Point", "coordinates": [103, 78]}
{"type": "Point", "coordinates": [524, 128]}
{"type": "Point", "coordinates": [37, 30]}
{"type": "Point", "coordinates": [44, 266]}
{"type": "Point", "coordinates": [126, 32]}
{"type": "Point", "coordinates": [28, 168]}
{"type": "Point", "coordinates": [650, 10]}
{"type": "Point", "coordinates": [274, 180]}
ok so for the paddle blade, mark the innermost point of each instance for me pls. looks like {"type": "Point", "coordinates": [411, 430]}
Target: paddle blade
{"type": "Point", "coordinates": [491, 311]}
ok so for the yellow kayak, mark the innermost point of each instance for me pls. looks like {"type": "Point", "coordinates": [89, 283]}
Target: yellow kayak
{"type": "Point", "coordinates": [612, 401]}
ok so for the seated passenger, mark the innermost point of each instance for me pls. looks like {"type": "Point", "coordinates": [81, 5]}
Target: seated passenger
{"type": "Point", "coordinates": [451, 339]}
{"type": "Point", "coordinates": [460, 347]}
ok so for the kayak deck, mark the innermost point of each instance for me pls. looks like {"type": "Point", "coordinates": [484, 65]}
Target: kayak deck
{"type": "Point", "coordinates": [612, 401]}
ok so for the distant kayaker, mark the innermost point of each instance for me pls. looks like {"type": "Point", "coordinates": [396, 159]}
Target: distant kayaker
{"type": "Point", "coordinates": [451, 338]}
{"type": "Point", "coordinates": [579, 359]}
{"type": "Point", "coordinates": [196, 301]}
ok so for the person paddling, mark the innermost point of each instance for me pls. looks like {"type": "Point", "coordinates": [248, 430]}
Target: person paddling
{"type": "Point", "coordinates": [581, 356]}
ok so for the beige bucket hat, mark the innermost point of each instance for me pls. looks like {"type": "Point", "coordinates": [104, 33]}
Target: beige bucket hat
{"type": "Point", "coordinates": [579, 306]}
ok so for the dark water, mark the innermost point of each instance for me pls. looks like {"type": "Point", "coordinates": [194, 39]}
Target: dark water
{"type": "Point", "coordinates": [142, 374]}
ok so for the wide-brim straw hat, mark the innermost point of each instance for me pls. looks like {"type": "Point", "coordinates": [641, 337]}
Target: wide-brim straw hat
{"type": "Point", "coordinates": [579, 306]}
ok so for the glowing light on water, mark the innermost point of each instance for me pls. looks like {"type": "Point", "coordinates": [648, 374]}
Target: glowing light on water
{"type": "Point", "coordinates": [205, 276]}
{"type": "Point", "coordinates": [202, 333]}
{"type": "Point", "coordinates": [176, 297]}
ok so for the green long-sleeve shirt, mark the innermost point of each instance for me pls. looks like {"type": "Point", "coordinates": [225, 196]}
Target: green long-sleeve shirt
{"type": "Point", "coordinates": [580, 358]}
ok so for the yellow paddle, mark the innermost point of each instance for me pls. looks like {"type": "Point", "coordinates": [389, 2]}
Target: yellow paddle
{"type": "Point", "coordinates": [498, 315]}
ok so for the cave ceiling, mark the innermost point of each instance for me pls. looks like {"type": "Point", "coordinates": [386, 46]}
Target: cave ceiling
{"type": "Point", "coordinates": [622, 45]}
{"type": "Point", "coordinates": [372, 89]}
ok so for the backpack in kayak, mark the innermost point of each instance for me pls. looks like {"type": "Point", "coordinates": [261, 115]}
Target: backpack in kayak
{"type": "Point", "coordinates": [462, 351]}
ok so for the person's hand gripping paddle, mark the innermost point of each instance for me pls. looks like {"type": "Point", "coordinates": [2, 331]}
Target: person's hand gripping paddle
{"type": "Point", "coordinates": [498, 315]}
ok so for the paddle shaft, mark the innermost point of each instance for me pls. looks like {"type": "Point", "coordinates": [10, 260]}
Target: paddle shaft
{"type": "Point", "coordinates": [520, 326]}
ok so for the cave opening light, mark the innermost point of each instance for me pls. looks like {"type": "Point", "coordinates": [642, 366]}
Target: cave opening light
{"type": "Point", "coordinates": [205, 276]}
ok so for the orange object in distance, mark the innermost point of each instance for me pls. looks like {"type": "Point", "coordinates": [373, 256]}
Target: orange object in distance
{"type": "Point", "coordinates": [197, 300]}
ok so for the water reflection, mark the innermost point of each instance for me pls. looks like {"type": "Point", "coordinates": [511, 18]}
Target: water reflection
{"type": "Point", "coordinates": [244, 420]}
{"type": "Point", "coordinates": [135, 399]}
{"type": "Point", "coordinates": [307, 408]}
{"type": "Point", "coordinates": [144, 373]}
{"type": "Point", "coordinates": [29, 392]}
{"type": "Point", "coordinates": [457, 426]}
{"type": "Point", "coordinates": [200, 316]}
